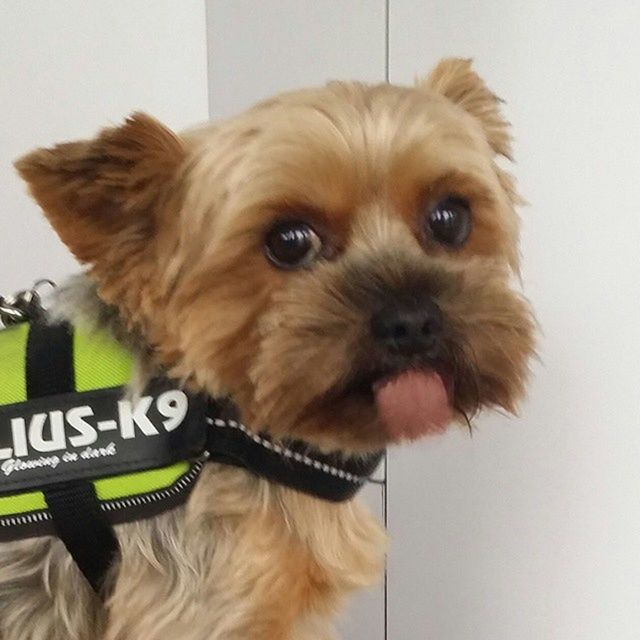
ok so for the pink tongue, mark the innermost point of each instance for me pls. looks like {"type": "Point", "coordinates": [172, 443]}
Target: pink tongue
{"type": "Point", "coordinates": [413, 404]}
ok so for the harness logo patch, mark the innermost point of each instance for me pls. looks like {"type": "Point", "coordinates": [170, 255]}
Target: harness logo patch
{"type": "Point", "coordinates": [96, 431]}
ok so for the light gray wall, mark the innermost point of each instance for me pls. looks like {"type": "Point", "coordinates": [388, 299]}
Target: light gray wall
{"type": "Point", "coordinates": [260, 48]}
{"type": "Point", "coordinates": [70, 67]}
{"type": "Point", "coordinates": [531, 530]}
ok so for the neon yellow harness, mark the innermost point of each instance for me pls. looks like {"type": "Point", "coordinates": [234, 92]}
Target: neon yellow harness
{"type": "Point", "coordinates": [99, 363]}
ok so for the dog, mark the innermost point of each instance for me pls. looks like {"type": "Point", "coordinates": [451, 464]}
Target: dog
{"type": "Point", "coordinates": [342, 263]}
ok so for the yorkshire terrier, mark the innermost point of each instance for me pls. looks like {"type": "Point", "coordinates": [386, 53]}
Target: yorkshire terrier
{"type": "Point", "coordinates": [342, 263]}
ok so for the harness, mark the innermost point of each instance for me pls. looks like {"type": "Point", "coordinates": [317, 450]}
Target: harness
{"type": "Point", "coordinates": [79, 454]}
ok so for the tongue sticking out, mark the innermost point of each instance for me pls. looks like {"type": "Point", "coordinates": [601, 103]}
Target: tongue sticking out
{"type": "Point", "coordinates": [413, 404]}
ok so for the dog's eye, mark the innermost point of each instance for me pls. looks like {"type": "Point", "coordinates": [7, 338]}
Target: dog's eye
{"type": "Point", "coordinates": [449, 221]}
{"type": "Point", "coordinates": [292, 245]}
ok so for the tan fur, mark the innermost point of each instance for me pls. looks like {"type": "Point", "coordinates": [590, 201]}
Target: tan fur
{"type": "Point", "coordinates": [457, 81]}
{"type": "Point", "coordinates": [172, 229]}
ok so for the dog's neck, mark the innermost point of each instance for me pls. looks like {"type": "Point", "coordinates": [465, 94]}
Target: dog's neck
{"type": "Point", "coordinates": [333, 476]}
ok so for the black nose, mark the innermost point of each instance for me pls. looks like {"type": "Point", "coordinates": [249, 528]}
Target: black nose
{"type": "Point", "coordinates": [409, 327]}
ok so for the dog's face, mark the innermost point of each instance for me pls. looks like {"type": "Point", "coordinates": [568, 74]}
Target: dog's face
{"type": "Point", "coordinates": [338, 261]}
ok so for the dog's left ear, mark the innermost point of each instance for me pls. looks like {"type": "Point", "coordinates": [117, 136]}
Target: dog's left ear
{"type": "Point", "coordinates": [455, 79]}
{"type": "Point", "coordinates": [104, 196]}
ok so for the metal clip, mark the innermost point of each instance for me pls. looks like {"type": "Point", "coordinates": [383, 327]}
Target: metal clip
{"type": "Point", "coordinates": [23, 306]}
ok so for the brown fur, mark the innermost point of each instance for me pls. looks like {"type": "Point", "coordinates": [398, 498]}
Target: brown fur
{"type": "Point", "coordinates": [172, 228]}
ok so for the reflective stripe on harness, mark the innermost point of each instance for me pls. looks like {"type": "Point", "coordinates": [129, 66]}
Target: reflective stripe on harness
{"type": "Point", "coordinates": [113, 492]}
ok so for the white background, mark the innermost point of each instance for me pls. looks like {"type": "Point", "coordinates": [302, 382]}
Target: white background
{"type": "Point", "coordinates": [530, 530]}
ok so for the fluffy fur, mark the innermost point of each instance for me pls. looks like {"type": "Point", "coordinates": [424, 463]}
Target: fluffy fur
{"type": "Point", "coordinates": [172, 229]}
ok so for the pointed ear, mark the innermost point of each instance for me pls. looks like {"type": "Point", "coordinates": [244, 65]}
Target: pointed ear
{"type": "Point", "coordinates": [455, 79]}
{"type": "Point", "coordinates": [103, 196]}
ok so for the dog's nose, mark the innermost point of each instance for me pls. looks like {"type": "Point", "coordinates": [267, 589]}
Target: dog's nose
{"type": "Point", "coordinates": [409, 327]}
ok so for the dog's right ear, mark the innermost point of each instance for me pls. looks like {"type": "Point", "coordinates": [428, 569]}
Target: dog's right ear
{"type": "Point", "coordinates": [103, 196]}
{"type": "Point", "coordinates": [455, 79]}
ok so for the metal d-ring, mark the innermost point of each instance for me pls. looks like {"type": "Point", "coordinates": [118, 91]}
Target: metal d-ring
{"type": "Point", "coordinates": [23, 306]}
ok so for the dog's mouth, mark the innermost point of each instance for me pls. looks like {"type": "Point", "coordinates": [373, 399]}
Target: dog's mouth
{"type": "Point", "coordinates": [410, 403]}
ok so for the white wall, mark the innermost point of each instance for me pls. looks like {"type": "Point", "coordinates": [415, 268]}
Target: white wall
{"type": "Point", "coordinates": [70, 67]}
{"type": "Point", "coordinates": [531, 530]}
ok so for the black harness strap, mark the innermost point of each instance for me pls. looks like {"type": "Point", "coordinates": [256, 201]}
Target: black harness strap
{"type": "Point", "coordinates": [291, 463]}
{"type": "Point", "coordinates": [78, 520]}
{"type": "Point", "coordinates": [83, 528]}
{"type": "Point", "coordinates": [49, 360]}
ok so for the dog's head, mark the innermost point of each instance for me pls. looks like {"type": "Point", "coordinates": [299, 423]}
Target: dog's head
{"type": "Point", "coordinates": [337, 260]}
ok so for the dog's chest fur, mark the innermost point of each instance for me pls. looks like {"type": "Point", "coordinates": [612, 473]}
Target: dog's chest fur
{"type": "Point", "coordinates": [248, 560]}
{"type": "Point", "coordinates": [242, 559]}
